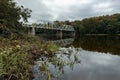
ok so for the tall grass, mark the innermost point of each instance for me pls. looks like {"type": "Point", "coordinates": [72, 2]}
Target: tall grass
{"type": "Point", "coordinates": [17, 56]}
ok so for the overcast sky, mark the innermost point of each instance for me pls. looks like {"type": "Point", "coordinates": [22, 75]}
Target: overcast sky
{"type": "Point", "coordinates": [50, 10]}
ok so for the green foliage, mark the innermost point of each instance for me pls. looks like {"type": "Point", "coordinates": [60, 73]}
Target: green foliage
{"type": "Point", "coordinates": [4, 31]}
{"type": "Point", "coordinates": [18, 56]}
{"type": "Point", "coordinates": [59, 62]}
{"type": "Point", "coordinates": [53, 47]}
{"type": "Point", "coordinates": [10, 16]}
{"type": "Point", "coordinates": [13, 62]}
{"type": "Point", "coordinates": [109, 24]}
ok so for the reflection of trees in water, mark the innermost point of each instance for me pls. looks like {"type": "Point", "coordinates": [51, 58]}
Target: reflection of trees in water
{"type": "Point", "coordinates": [105, 44]}
{"type": "Point", "coordinates": [53, 67]}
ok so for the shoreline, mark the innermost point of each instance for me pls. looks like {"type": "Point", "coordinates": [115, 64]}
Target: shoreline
{"type": "Point", "coordinates": [102, 34]}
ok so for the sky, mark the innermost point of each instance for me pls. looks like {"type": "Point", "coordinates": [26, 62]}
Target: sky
{"type": "Point", "coordinates": [51, 10]}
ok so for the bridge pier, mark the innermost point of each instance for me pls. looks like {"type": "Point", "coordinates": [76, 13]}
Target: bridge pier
{"type": "Point", "coordinates": [59, 34]}
{"type": "Point", "coordinates": [66, 28]}
{"type": "Point", "coordinates": [73, 34]}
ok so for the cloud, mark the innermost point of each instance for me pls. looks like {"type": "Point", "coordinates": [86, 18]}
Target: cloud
{"type": "Point", "coordinates": [50, 10]}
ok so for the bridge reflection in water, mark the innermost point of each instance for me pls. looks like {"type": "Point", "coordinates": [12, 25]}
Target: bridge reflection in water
{"type": "Point", "coordinates": [62, 42]}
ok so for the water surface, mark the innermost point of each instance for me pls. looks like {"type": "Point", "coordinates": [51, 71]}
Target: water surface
{"type": "Point", "coordinates": [89, 58]}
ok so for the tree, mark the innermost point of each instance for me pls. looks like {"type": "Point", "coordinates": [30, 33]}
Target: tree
{"type": "Point", "coordinates": [11, 14]}
{"type": "Point", "coordinates": [109, 24]}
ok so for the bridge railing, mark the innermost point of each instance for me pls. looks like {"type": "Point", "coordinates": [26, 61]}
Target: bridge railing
{"type": "Point", "coordinates": [52, 26]}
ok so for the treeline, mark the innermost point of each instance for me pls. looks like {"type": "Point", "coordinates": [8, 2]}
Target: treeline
{"type": "Point", "coordinates": [109, 24]}
{"type": "Point", "coordinates": [10, 16]}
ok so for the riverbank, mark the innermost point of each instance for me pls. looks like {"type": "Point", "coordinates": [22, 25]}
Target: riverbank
{"type": "Point", "coordinates": [17, 56]}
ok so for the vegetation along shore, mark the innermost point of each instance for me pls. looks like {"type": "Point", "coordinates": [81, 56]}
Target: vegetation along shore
{"type": "Point", "coordinates": [18, 50]}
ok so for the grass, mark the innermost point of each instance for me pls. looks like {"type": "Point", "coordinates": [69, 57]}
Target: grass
{"type": "Point", "coordinates": [17, 56]}
{"type": "Point", "coordinates": [14, 63]}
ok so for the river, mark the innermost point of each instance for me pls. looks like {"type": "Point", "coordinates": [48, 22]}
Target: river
{"type": "Point", "coordinates": [83, 58]}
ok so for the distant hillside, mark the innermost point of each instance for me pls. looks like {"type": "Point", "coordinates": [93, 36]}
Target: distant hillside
{"type": "Point", "coordinates": [109, 24]}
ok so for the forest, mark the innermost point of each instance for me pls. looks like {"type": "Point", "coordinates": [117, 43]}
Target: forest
{"type": "Point", "coordinates": [108, 24]}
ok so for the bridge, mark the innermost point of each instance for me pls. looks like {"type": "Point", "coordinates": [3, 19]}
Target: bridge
{"type": "Point", "coordinates": [51, 26]}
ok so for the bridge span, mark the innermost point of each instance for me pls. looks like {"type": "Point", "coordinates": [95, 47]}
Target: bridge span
{"type": "Point", "coordinates": [59, 28]}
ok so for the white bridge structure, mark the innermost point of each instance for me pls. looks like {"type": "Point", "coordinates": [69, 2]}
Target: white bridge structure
{"type": "Point", "coordinates": [50, 26]}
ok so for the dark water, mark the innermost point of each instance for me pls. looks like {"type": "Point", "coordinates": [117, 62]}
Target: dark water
{"type": "Point", "coordinates": [105, 44]}
{"type": "Point", "coordinates": [89, 58]}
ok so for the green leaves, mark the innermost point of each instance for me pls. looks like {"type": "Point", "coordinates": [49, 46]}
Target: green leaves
{"type": "Point", "coordinates": [13, 62]}
{"type": "Point", "coordinates": [53, 47]}
{"type": "Point", "coordinates": [10, 16]}
{"type": "Point", "coordinates": [108, 24]}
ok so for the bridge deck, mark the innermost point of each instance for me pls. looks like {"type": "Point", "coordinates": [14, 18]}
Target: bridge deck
{"type": "Point", "coordinates": [53, 27]}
